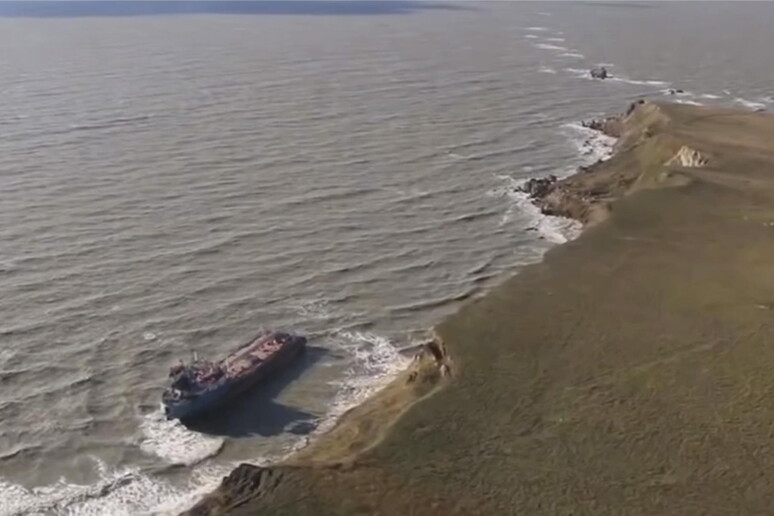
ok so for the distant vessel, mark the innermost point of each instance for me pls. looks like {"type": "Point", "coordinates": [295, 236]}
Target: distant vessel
{"type": "Point", "coordinates": [204, 385]}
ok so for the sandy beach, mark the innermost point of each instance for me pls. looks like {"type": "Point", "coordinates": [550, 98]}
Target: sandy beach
{"type": "Point", "coordinates": [627, 373]}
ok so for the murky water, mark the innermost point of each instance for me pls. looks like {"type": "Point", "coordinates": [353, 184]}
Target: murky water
{"type": "Point", "coordinates": [173, 177]}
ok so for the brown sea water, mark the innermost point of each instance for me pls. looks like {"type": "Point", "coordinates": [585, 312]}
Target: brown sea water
{"type": "Point", "coordinates": [175, 176]}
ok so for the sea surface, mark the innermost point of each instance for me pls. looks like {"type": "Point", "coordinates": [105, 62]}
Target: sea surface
{"type": "Point", "coordinates": [176, 176]}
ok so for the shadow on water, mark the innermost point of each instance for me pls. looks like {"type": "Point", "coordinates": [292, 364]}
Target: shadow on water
{"type": "Point", "coordinates": [256, 412]}
{"type": "Point", "coordinates": [73, 9]}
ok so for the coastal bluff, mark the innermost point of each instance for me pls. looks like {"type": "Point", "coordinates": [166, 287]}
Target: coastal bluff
{"type": "Point", "coordinates": [630, 372]}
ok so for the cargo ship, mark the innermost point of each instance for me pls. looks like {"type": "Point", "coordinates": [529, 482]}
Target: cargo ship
{"type": "Point", "coordinates": [204, 385]}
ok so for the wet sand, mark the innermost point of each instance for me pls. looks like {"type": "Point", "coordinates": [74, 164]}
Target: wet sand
{"type": "Point", "coordinates": [630, 372]}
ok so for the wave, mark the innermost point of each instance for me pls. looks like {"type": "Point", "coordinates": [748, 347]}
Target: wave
{"type": "Point", "coordinates": [481, 267]}
{"type": "Point", "coordinates": [317, 310]}
{"type": "Point", "coordinates": [537, 29]}
{"type": "Point", "coordinates": [414, 194]}
{"type": "Point", "coordinates": [592, 146]}
{"type": "Point", "coordinates": [577, 55]}
{"type": "Point", "coordinates": [109, 123]}
{"type": "Point", "coordinates": [6, 355]}
{"type": "Point", "coordinates": [545, 69]}
{"type": "Point", "coordinates": [173, 442]}
{"type": "Point", "coordinates": [531, 36]}
{"type": "Point", "coordinates": [578, 72]}
{"type": "Point", "coordinates": [750, 104]}
{"type": "Point", "coordinates": [584, 74]}
{"type": "Point", "coordinates": [19, 449]}
{"type": "Point", "coordinates": [557, 230]}
{"type": "Point", "coordinates": [375, 361]}
{"type": "Point", "coordinates": [120, 492]}
{"type": "Point", "coordinates": [548, 46]}
{"type": "Point", "coordinates": [434, 303]}
{"type": "Point", "coordinates": [643, 82]}
{"type": "Point", "coordinates": [555, 39]}
{"type": "Point", "coordinates": [688, 102]}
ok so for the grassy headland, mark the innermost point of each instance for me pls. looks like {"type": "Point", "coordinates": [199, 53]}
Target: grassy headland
{"type": "Point", "coordinates": [630, 372]}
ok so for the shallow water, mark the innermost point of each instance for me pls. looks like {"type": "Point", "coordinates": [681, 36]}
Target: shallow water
{"type": "Point", "coordinates": [174, 179]}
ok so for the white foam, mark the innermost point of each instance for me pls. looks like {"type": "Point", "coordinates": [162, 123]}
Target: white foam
{"type": "Point", "coordinates": [555, 40]}
{"type": "Point", "coordinates": [173, 442]}
{"type": "Point", "coordinates": [537, 29]}
{"type": "Point", "coordinates": [557, 230]}
{"type": "Point", "coordinates": [545, 69]}
{"type": "Point", "coordinates": [6, 355]}
{"type": "Point", "coordinates": [750, 104]}
{"type": "Point", "coordinates": [577, 72]}
{"type": "Point", "coordinates": [375, 362]}
{"type": "Point", "coordinates": [576, 55]}
{"type": "Point", "coordinates": [586, 74]}
{"type": "Point", "coordinates": [709, 96]}
{"type": "Point", "coordinates": [316, 309]}
{"type": "Point", "coordinates": [548, 46]}
{"type": "Point", "coordinates": [688, 101]}
{"type": "Point", "coordinates": [531, 36]}
{"type": "Point", "coordinates": [645, 82]}
{"type": "Point", "coordinates": [149, 335]}
{"type": "Point", "coordinates": [124, 492]}
{"type": "Point", "coordinates": [592, 145]}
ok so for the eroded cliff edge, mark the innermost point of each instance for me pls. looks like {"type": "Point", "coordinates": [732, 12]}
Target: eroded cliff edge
{"type": "Point", "coordinates": [628, 373]}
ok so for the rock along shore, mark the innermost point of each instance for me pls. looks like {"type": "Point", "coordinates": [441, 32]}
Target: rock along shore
{"type": "Point", "coordinates": [630, 372]}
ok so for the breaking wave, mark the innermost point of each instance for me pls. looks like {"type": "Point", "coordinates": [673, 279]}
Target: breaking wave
{"type": "Point", "coordinates": [592, 146]}
{"type": "Point", "coordinates": [173, 442]}
{"type": "Point", "coordinates": [750, 104]}
{"type": "Point", "coordinates": [119, 492]}
{"type": "Point", "coordinates": [375, 361]}
{"type": "Point", "coordinates": [548, 46]}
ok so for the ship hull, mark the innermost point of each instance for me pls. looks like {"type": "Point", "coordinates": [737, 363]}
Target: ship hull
{"type": "Point", "coordinates": [219, 396]}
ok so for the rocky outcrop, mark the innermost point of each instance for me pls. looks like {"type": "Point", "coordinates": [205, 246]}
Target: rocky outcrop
{"type": "Point", "coordinates": [688, 158]}
{"type": "Point", "coordinates": [538, 187]}
{"type": "Point", "coordinates": [599, 72]}
{"type": "Point", "coordinates": [609, 126]}
{"type": "Point", "coordinates": [244, 484]}
{"type": "Point", "coordinates": [586, 196]}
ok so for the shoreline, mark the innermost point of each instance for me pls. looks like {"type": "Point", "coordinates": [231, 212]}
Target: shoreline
{"type": "Point", "coordinates": [430, 366]}
{"type": "Point", "coordinates": [620, 371]}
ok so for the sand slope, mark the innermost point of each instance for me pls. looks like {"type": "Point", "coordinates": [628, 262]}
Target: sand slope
{"type": "Point", "coordinates": [631, 372]}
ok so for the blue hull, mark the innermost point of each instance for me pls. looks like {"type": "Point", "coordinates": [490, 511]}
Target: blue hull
{"type": "Point", "coordinates": [217, 396]}
{"type": "Point", "coordinates": [186, 409]}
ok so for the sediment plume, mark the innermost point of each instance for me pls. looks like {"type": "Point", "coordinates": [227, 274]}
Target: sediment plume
{"type": "Point", "coordinates": [630, 372]}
